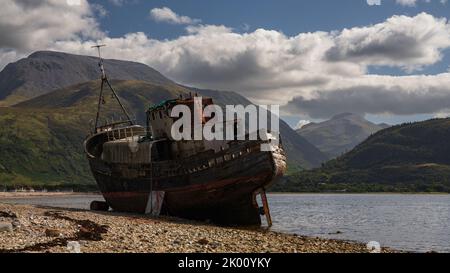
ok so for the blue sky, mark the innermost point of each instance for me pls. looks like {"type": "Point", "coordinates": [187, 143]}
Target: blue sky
{"type": "Point", "coordinates": [315, 58]}
{"type": "Point", "coordinates": [289, 16]}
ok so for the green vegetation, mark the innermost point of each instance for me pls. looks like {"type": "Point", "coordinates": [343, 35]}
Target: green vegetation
{"type": "Point", "coordinates": [411, 157]}
{"type": "Point", "coordinates": [41, 145]}
{"type": "Point", "coordinates": [412, 179]}
{"type": "Point", "coordinates": [340, 134]}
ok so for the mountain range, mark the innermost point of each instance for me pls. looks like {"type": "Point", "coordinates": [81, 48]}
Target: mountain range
{"type": "Point", "coordinates": [340, 134]}
{"type": "Point", "coordinates": [412, 157]}
{"type": "Point", "coordinates": [49, 100]}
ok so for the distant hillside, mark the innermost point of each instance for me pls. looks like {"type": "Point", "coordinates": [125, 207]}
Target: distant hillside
{"type": "Point", "coordinates": [137, 96]}
{"type": "Point", "coordinates": [410, 157]}
{"type": "Point", "coordinates": [340, 134]}
{"type": "Point", "coordinates": [45, 71]}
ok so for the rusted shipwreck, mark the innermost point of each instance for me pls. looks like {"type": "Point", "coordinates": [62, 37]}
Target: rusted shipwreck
{"type": "Point", "coordinates": [143, 170]}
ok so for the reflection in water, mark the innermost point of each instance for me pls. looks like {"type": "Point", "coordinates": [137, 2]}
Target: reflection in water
{"type": "Point", "coordinates": [407, 222]}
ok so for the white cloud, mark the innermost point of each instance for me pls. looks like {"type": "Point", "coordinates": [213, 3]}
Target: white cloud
{"type": "Point", "coordinates": [301, 124]}
{"type": "Point", "coordinates": [413, 3]}
{"type": "Point", "coordinates": [166, 15]}
{"type": "Point", "coordinates": [117, 2]}
{"type": "Point", "coordinates": [445, 113]}
{"type": "Point", "coordinates": [408, 42]}
{"type": "Point", "coordinates": [99, 10]}
{"type": "Point", "coordinates": [269, 67]}
{"type": "Point", "coordinates": [73, 2]}
{"type": "Point", "coordinates": [28, 25]}
{"type": "Point", "coordinates": [373, 2]}
{"type": "Point", "coordinates": [408, 3]}
{"type": "Point", "coordinates": [375, 94]}
{"type": "Point", "coordinates": [120, 3]}
{"type": "Point", "coordinates": [320, 73]}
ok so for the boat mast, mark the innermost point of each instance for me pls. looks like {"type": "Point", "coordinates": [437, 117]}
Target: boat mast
{"type": "Point", "coordinates": [105, 80]}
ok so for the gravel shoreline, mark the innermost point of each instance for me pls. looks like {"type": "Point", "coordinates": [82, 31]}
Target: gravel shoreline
{"type": "Point", "coordinates": [42, 229]}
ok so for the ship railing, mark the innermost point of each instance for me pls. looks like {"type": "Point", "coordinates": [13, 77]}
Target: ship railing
{"type": "Point", "coordinates": [112, 124]}
{"type": "Point", "coordinates": [126, 133]}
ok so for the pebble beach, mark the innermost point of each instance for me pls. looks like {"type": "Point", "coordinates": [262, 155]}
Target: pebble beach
{"type": "Point", "coordinates": [25, 228]}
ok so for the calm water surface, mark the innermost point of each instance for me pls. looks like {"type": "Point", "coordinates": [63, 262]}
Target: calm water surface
{"type": "Point", "coordinates": [408, 222]}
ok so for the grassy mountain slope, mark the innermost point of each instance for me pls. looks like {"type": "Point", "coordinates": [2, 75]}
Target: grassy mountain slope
{"type": "Point", "coordinates": [42, 144]}
{"type": "Point", "coordinates": [409, 157]}
{"type": "Point", "coordinates": [340, 134]}
{"type": "Point", "coordinates": [45, 71]}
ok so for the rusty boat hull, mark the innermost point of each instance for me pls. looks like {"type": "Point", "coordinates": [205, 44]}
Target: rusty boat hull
{"type": "Point", "coordinates": [221, 187]}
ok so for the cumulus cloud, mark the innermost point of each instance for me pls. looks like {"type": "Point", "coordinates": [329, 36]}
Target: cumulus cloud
{"type": "Point", "coordinates": [409, 42]}
{"type": "Point", "coordinates": [256, 64]}
{"type": "Point", "coordinates": [443, 114]}
{"type": "Point", "coordinates": [118, 3]}
{"type": "Point", "coordinates": [413, 3]}
{"type": "Point", "coordinates": [27, 25]}
{"type": "Point", "coordinates": [318, 73]}
{"type": "Point", "coordinates": [378, 95]}
{"type": "Point", "coordinates": [373, 2]}
{"type": "Point", "coordinates": [406, 3]}
{"type": "Point", "coordinates": [166, 15]}
{"type": "Point", "coordinates": [266, 62]}
{"type": "Point", "coordinates": [409, 3]}
{"type": "Point", "coordinates": [99, 10]}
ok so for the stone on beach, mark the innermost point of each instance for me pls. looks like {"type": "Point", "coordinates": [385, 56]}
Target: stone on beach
{"type": "Point", "coordinates": [73, 247]}
{"type": "Point", "coordinates": [16, 224]}
{"type": "Point", "coordinates": [203, 241]}
{"type": "Point", "coordinates": [374, 247]}
{"type": "Point", "coordinates": [8, 214]}
{"type": "Point", "coordinates": [53, 233]}
{"type": "Point", "coordinates": [6, 227]}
